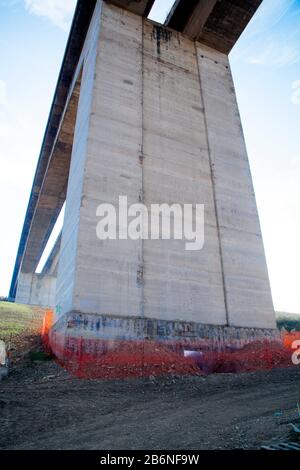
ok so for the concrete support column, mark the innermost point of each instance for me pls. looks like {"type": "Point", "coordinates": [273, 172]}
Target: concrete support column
{"type": "Point", "coordinates": [36, 289]}
{"type": "Point", "coordinates": [158, 122]}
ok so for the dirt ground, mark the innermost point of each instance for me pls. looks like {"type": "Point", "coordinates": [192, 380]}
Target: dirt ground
{"type": "Point", "coordinates": [42, 407]}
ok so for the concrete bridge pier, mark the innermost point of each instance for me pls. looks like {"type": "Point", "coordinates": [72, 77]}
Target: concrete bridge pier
{"type": "Point", "coordinates": [150, 112]}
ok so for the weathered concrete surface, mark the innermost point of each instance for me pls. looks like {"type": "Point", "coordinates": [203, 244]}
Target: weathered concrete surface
{"type": "Point", "coordinates": [215, 23]}
{"type": "Point", "coordinates": [51, 265]}
{"type": "Point", "coordinates": [176, 168]}
{"type": "Point", "coordinates": [106, 327]}
{"type": "Point", "coordinates": [163, 127]}
{"type": "Point", "coordinates": [40, 289]}
{"type": "Point", "coordinates": [246, 279]}
{"type": "Point", "coordinates": [140, 7]}
{"type": "Point", "coordinates": [36, 289]}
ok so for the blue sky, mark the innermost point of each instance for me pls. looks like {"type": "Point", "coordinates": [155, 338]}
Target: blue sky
{"type": "Point", "coordinates": [266, 70]}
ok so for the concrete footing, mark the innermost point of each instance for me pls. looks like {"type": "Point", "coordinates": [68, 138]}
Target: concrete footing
{"type": "Point", "coordinates": [99, 346]}
{"type": "Point", "coordinates": [110, 328]}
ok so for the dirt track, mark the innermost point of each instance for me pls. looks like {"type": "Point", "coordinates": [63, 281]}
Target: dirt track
{"type": "Point", "coordinates": [42, 407]}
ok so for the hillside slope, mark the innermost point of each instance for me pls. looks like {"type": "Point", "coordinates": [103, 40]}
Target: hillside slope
{"type": "Point", "coordinates": [20, 327]}
{"type": "Point", "coordinates": [289, 321]}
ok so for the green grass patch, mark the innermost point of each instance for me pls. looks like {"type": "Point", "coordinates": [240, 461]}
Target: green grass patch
{"type": "Point", "coordinates": [16, 318]}
{"type": "Point", "coordinates": [8, 309]}
{"type": "Point", "coordinates": [8, 329]}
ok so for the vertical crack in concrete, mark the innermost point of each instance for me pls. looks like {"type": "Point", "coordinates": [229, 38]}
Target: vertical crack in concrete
{"type": "Point", "coordinates": [211, 165]}
{"type": "Point", "coordinates": [140, 273]}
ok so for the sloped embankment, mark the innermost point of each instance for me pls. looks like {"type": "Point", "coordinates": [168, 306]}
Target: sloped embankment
{"type": "Point", "coordinates": [20, 328]}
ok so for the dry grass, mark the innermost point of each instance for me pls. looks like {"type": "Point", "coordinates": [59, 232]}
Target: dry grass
{"type": "Point", "coordinates": [16, 319]}
{"type": "Point", "coordinates": [20, 327]}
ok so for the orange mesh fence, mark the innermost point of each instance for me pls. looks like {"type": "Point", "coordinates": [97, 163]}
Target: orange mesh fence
{"type": "Point", "coordinates": [95, 358]}
{"type": "Point", "coordinates": [47, 325]}
{"type": "Point", "coordinates": [87, 357]}
{"type": "Point", "coordinates": [290, 338]}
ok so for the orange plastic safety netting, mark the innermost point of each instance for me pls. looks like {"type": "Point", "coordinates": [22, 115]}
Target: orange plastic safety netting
{"type": "Point", "coordinates": [87, 357]}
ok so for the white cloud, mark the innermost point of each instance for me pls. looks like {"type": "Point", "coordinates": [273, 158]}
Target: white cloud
{"type": "Point", "coordinates": [272, 37]}
{"type": "Point", "coordinates": [269, 15]}
{"type": "Point", "coordinates": [2, 93]}
{"type": "Point", "coordinates": [60, 12]}
{"type": "Point", "coordinates": [277, 54]}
